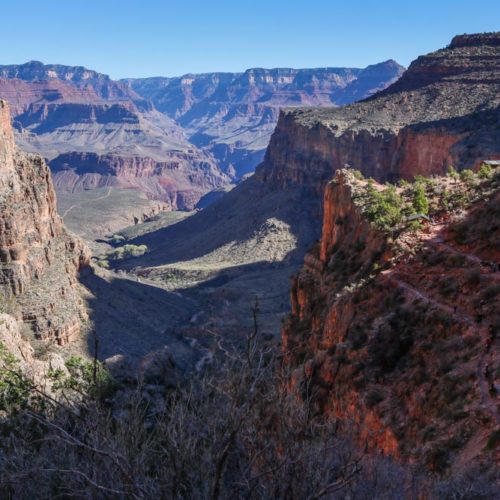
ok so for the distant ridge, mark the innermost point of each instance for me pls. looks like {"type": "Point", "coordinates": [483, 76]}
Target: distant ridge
{"type": "Point", "coordinates": [234, 114]}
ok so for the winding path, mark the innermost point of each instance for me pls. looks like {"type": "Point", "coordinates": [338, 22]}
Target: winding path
{"type": "Point", "coordinates": [487, 400]}
{"type": "Point", "coordinates": [67, 211]}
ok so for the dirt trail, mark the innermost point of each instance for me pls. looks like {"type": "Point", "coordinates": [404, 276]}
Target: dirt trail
{"type": "Point", "coordinates": [488, 400]}
{"type": "Point", "coordinates": [67, 211]}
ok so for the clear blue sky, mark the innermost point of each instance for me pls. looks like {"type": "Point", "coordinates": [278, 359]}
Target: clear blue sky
{"type": "Point", "coordinates": [140, 38]}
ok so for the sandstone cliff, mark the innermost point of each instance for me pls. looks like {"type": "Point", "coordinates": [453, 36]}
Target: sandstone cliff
{"type": "Point", "coordinates": [234, 114]}
{"type": "Point", "coordinates": [443, 111]}
{"type": "Point", "coordinates": [72, 114]}
{"type": "Point", "coordinates": [39, 261]}
{"type": "Point", "coordinates": [394, 333]}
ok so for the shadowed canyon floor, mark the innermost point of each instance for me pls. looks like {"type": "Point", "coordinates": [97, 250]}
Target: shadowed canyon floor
{"type": "Point", "coordinates": [194, 283]}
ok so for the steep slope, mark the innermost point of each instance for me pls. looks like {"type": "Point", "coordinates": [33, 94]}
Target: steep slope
{"type": "Point", "coordinates": [97, 133]}
{"type": "Point", "coordinates": [272, 218]}
{"type": "Point", "coordinates": [394, 333]}
{"type": "Point", "coordinates": [234, 114]}
{"type": "Point", "coordinates": [443, 111]}
{"type": "Point", "coordinates": [39, 261]}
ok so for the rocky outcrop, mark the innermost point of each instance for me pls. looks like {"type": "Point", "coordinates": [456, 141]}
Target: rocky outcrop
{"type": "Point", "coordinates": [393, 337]}
{"type": "Point", "coordinates": [442, 112]}
{"type": "Point", "coordinates": [81, 114]}
{"type": "Point", "coordinates": [234, 114]}
{"type": "Point", "coordinates": [180, 179]}
{"type": "Point", "coordinates": [39, 261]}
{"type": "Point", "coordinates": [34, 81]}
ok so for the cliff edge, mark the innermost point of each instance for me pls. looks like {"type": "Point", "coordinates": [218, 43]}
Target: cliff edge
{"type": "Point", "coordinates": [39, 260]}
{"type": "Point", "coordinates": [395, 316]}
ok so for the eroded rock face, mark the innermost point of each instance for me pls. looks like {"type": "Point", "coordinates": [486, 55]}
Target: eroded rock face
{"type": "Point", "coordinates": [397, 349]}
{"type": "Point", "coordinates": [234, 114]}
{"type": "Point", "coordinates": [180, 178]}
{"type": "Point", "coordinates": [85, 119]}
{"type": "Point", "coordinates": [442, 112]}
{"type": "Point", "coordinates": [39, 261]}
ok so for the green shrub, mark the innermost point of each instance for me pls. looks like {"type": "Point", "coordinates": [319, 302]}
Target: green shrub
{"type": "Point", "coordinates": [15, 388]}
{"type": "Point", "coordinates": [452, 173]}
{"type": "Point", "coordinates": [127, 251]}
{"type": "Point", "coordinates": [420, 201]}
{"type": "Point", "coordinates": [358, 174]}
{"type": "Point", "coordinates": [117, 238]}
{"type": "Point", "coordinates": [485, 171]}
{"type": "Point", "coordinates": [384, 208]}
{"type": "Point", "coordinates": [104, 263]}
{"type": "Point", "coordinates": [84, 377]}
{"type": "Point", "coordinates": [467, 176]}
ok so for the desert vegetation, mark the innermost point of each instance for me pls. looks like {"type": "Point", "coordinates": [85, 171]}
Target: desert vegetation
{"type": "Point", "coordinates": [391, 207]}
{"type": "Point", "coordinates": [238, 430]}
{"type": "Point", "coordinates": [123, 252]}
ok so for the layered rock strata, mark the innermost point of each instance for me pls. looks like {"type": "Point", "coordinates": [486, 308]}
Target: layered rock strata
{"type": "Point", "coordinates": [234, 114]}
{"type": "Point", "coordinates": [39, 260]}
{"type": "Point", "coordinates": [442, 112]}
{"type": "Point", "coordinates": [78, 115]}
{"type": "Point", "coordinates": [401, 351]}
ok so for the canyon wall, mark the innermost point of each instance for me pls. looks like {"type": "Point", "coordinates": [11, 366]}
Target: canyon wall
{"type": "Point", "coordinates": [395, 347]}
{"type": "Point", "coordinates": [442, 112]}
{"type": "Point", "coordinates": [76, 115]}
{"type": "Point", "coordinates": [39, 261]}
{"type": "Point", "coordinates": [234, 114]}
{"type": "Point", "coordinates": [180, 179]}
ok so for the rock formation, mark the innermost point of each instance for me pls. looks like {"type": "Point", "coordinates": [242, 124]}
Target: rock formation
{"type": "Point", "coordinates": [397, 133]}
{"type": "Point", "coordinates": [180, 179]}
{"type": "Point", "coordinates": [442, 112]}
{"type": "Point", "coordinates": [39, 261]}
{"type": "Point", "coordinates": [394, 336]}
{"type": "Point", "coordinates": [71, 113]}
{"type": "Point", "coordinates": [234, 114]}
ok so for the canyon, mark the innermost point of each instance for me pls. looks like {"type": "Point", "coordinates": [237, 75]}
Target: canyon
{"type": "Point", "coordinates": [390, 332]}
{"type": "Point", "coordinates": [95, 132]}
{"type": "Point", "coordinates": [417, 126]}
{"type": "Point", "coordinates": [233, 115]}
{"type": "Point", "coordinates": [441, 115]}
{"type": "Point", "coordinates": [39, 259]}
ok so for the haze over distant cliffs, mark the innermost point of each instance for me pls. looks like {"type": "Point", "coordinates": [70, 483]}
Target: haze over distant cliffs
{"type": "Point", "coordinates": [174, 139]}
{"type": "Point", "coordinates": [97, 132]}
{"type": "Point", "coordinates": [234, 114]}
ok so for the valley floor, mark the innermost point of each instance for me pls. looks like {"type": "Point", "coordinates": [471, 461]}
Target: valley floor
{"type": "Point", "coordinates": [191, 305]}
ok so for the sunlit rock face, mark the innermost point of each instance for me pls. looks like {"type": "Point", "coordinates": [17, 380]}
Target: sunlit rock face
{"type": "Point", "coordinates": [442, 112]}
{"type": "Point", "coordinates": [233, 115]}
{"type": "Point", "coordinates": [39, 261]}
{"type": "Point", "coordinates": [97, 132]}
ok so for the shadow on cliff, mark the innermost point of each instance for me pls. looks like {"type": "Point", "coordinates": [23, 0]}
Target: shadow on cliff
{"type": "Point", "coordinates": [235, 218]}
{"type": "Point", "coordinates": [133, 318]}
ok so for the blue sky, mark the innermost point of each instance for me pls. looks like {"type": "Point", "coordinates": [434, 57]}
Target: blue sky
{"type": "Point", "coordinates": [162, 37]}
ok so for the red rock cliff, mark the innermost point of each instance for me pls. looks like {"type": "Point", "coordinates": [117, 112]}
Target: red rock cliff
{"type": "Point", "coordinates": [38, 259]}
{"type": "Point", "coordinates": [443, 111]}
{"type": "Point", "coordinates": [396, 349]}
